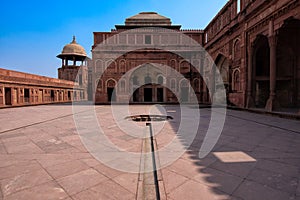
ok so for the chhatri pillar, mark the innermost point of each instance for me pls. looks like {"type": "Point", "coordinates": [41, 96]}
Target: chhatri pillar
{"type": "Point", "coordinates": [272, 103]}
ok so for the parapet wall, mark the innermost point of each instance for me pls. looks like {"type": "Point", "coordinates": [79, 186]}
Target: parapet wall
{"type": "Point", "coordinates": [20, 89]}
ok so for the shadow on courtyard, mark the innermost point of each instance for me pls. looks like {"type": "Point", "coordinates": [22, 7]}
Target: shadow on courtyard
{"type": "Point", "coordinates": [251, 160]}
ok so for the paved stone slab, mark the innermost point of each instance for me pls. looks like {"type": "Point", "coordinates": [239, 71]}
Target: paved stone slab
{"type": "Point", "coordinates": [107, 190]}
{"type": "Point", "coordinates": [18, 168]}
{"type": "Point", "coordinates": [42, 157]}
{"type": "Point", "coordinates": [194, 190]}
{"type": "Point", "coordinates": [128, 181]}
{"type": "Point", "coordinates": [253, 190]}
{"type": "Point", "coordinates": [222, 181]}
{"type": "Point", "coordinates": [172, 180]}
{"type": "Point", "coordinates": [49, 191]}
{"type": "Point", "coordinates": [80, 181]}
{"type": "Point", "coordinates": [274, 180]}
{"type": "Point", "coordinates": [24, 181]}
{"type": "Point", "coordinates": [66, 168]}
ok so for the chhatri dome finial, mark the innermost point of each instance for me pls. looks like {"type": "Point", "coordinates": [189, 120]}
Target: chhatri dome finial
{"type": "Point", "coordinates": [74, 40]}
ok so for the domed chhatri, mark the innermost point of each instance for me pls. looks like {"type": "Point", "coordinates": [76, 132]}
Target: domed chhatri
{"type": "Point", "coordinates": [73, 49]}
{"type": "Point", "coordinates": [74, 62]}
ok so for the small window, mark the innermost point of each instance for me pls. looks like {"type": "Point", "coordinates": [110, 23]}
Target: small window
{"type": "Point", "coordinates": [160, 80]}
{"type": "Point", "coordinates": [148, 80]}
{"type": "Point", "coordinates": [147, 39]}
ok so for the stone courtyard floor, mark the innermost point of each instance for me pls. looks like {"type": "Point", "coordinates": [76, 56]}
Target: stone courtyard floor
{"type": "Point", "coordinates": [257, 157]}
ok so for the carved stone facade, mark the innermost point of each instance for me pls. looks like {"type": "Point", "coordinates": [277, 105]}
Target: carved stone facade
{"type": "Point", "coordinates": [256, 46]}
{"type": "Point", "coordinates": [148, 41]}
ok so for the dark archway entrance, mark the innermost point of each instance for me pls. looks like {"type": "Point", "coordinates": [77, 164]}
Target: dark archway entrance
{"type": "Point", "coordinates": [288, 64]}
{"type": "Point", "coordinates": [148, 95]}
{"type": "Point", "coordinates": [184, 94]}
{"type": "Point", "coordinates": [261, 61]}
{"type": "Point", "coordinates": [7, 96]}
{"type": "Point", "coordinates": [111, 95]}
{"type": "Point", "coordinates": [160, 95]}
{"type": "Point", "coordinates": [136, 95]}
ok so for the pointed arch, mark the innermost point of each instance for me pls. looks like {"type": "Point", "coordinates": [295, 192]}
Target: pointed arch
{"type": "Point", "coordinates": [237, 49]}
{"type": "Point", "coordinates": [111, 66]}
{"type": "Point", "coordinates": [160, 79]}
{"type": "Point", "coordinates": [99, 65]}
{"type": "Point", "coordinates": [111, 83]}
{"type": "Point", "coordinates": [236, 83]}
{"type": "Point", "coordinates": [222, 62]}
{"type": "Point", "coordinates": [196, 84]}
{"type": "Point", "coordinates": [184, 67]}
{"type": "Point", "coordinates": [122, 66]}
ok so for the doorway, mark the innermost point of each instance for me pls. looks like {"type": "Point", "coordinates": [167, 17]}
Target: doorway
{"type": "Point", "coordinates": [111, 95]}
{"type": "Point", "coordinates": [52, 95]}
{"type": "Point", "coordinates": [160, 94]}
{"type": "Point", "coordinates": [40, 97]}
{"type": "Point", "coordinates": [147, 94]}
{"type": "Point", "coordinates": [26, 95]}
{"type": "Point", "coordinates": [8, 96]}
{"type": "Point", "coordinates": [184, 94]}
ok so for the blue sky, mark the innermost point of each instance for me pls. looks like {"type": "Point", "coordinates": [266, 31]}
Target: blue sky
{"type": "Point", "coordinates": [33, 32]}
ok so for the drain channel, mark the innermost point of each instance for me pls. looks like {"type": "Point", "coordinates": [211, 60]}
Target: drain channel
{"type": "Point", "coordinates": [149, 186]}
{"type": "Point", "coordinates": [156, 184]}
{"type": "Point", "coordinates": [149, 118]}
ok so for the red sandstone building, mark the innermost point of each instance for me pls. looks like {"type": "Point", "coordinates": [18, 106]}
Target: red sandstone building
{"type": "Point", "coordinates": [254, 44]}
{"type": "Point", "coordinates": [140, 56]}
{"type": "Point", "coordinates": [21, 89]}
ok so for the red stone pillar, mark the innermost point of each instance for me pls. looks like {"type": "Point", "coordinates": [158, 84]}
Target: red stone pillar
{"type": "Point", "coordinates": [202, 82]}
{"type": "Point", "coordinates": [250, 101]}
{"type": "Point", "coordinates": [212, 83]}
{"type": "Point", "coordinates": [272, 102]}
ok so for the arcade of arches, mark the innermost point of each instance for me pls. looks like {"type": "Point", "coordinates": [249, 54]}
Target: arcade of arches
{"type": "Point", "coordinates": [148, 80]}
{"type": "Point", "coordinates": [258, 60]}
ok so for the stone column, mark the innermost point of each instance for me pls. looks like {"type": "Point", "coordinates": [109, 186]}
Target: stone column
{"type": "Point", "coordinates": [249, 102]}
{"type": "Point", "coordinates": [201, 81]}
{"type": "Point", "coordinates": [272, 102]}
{"type": "Point", "coordinates": [213, 83]}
